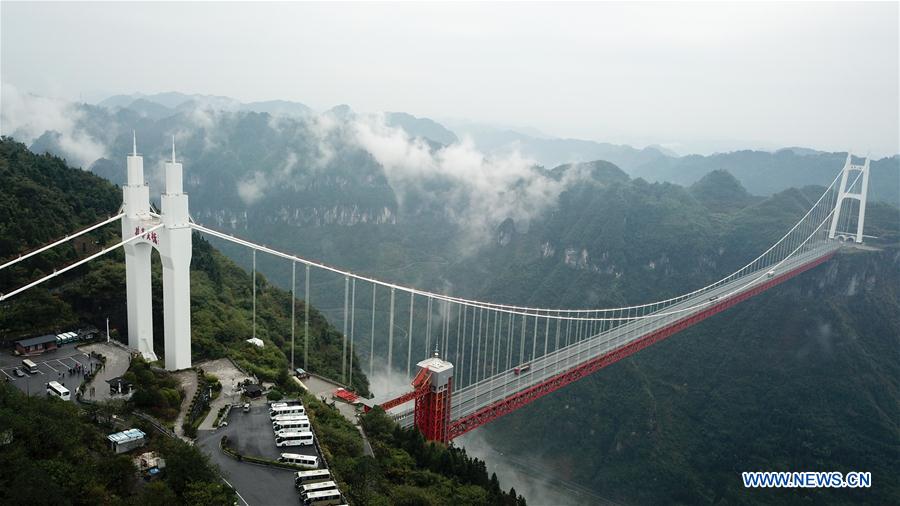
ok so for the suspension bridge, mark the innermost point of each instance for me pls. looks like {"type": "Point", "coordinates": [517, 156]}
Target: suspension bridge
{"type": "Point", "coordinates": [467, 361]}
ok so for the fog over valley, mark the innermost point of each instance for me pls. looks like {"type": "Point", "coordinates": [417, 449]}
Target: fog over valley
{"type": "Point", "coordinates": [501, 253]}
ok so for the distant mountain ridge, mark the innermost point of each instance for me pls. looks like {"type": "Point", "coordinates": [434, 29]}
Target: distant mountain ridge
{"type": "Point", "coordinates": [162, 105]}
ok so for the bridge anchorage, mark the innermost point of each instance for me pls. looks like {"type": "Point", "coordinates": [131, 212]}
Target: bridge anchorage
{"type": "Point", "coordinates": [490, 359]}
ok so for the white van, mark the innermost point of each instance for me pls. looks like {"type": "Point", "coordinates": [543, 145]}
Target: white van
{"type": "Point", "coordinates": [310, 461]}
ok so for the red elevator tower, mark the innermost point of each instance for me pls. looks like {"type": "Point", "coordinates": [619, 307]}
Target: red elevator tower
{"type": "Point", "coordinates": [432, 411]}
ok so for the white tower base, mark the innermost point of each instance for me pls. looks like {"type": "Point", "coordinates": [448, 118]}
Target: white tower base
{"type": "Point", "coordinates": [174, 243]}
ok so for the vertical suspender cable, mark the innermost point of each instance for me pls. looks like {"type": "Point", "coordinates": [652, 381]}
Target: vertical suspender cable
{"type": "Point", "coordinates": [447, 310]}
{"type": "Point", "coordinates": [293, 308]}
{"type": "Point", "coordinates": [306, 322]}
{"type": "Point", "coordinates": [522, 340]}
{"type": "Point", "coordinates": [546, 335]}
{"type": "Point", "coordinates": [497, 316]}
{"type": "Point", "coordinates": [472, 353]}
{"type": "Point", "coordinates": [428, 329]}
{"type": "Point", "coordinates": [458, 320]}
{"type": "Point", "coordinates": [412, 298]}
{"type": "Point", "coordinates": [372, 336]}
{"type": "Point", "coordinates": [352, 324]}
{"type": "Point", "coordinates": [478, 340]}
{"type": "Point", "coordinates": [391, 337]}
{"type": "Point", "coordinates": [558, 321]}
{"type": "Point", "coordinates": [346, 317]}
{"type": "Point", "coordinates": [509, 333]}
{"type": "Point", "coordinates": [462, 356]}
{"type": "Point", "coordinates": [254, 294]}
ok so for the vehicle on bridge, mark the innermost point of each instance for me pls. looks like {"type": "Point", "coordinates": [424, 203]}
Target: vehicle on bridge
{"type": "Point", "coordinates": [522, 368]}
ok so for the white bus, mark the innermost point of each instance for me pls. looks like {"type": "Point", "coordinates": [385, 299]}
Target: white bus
{"type": "Point", "coordinates": [293, 438]}
{"type": "Point", "coordinates": [309, 461]}
{"type": "Point", "coordinates": [294, 416]}
{"type": "Point", "coordinates": [57, 390]}
{"type": "Point", "coordinates": [323, 498]}
{"type": "Point", "coordinates": [286, 410]}
{"type": "Point", "coordinates": [304, 477]}
{"type": "Point", "coordinates": [277, 404]}
{"type": "Point", "coordinates": [315, 487]}
{"type": "Point", "coordinates": [293, 425]}
{"type": "Point", "coordinates": [29, 366]}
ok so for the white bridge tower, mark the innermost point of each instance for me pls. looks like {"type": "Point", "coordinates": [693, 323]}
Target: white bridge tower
{"type": "Point", "coordinates": [848, 193]}
{"type": "Point", "coordinates": [173, 242]}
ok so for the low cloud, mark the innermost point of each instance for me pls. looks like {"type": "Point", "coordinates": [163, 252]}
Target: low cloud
{"type": "Point", "coordinates": [26, 117]}
{"type": "Point", "coordinates": [480, 191]}
{"type": "Point", "coordinates": [252, 189]}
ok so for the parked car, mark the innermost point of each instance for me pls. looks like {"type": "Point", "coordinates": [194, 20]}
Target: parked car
{"type": "Point", "coordinates": [18, 372]}
{"type": "Point", "coordinates": [246, 407]}
{"type": "Point", "coordinates": [300, 373]}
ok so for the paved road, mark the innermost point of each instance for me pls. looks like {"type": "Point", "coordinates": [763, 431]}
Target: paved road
{"type": "Point", "coordinates": [189, 382]}
{"type": "Point", "coordinates": [52, 366]}
{"type": "Point", "coordinates": [256, 485]}
{"type": "Point", "coordinates": [230, 377]}
{"type": "Point", "coordinates": [117, 361]}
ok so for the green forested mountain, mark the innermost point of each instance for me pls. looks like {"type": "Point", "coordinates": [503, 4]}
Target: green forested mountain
{"type": "Point", "coordinates": [765, 173]}
{"type": "Point", "coordinates": [41, 189]}
{"type": "Point", "coordinates": [600, 239]}
{"type": "Point", "coordinates": [53, 453]}
{"type": "Point", "coordinates": [406, 469]}
{"type": "Point", "coordinates": [803, 377]}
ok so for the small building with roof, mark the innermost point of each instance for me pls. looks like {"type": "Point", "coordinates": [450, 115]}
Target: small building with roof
{"type": "Point", "coordinates": [252, 390]}
{"type": "Point", "coordinates": [127, 440]}
{"type": "Point", "coordinates": [36, 345]}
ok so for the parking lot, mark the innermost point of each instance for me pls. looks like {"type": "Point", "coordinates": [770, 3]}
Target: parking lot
{"type": "Point", "coordinates": [251, 434]}
{"type": "Point", "coordinates": [56, 365]}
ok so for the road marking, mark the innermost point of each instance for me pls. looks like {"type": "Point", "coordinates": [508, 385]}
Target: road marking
{"type": "Point", "coordinates": [7, 375]}
{"type": "Point", "coordinates": [63, 363]}
{"type": "Point", "coordinates": [47, 363]}
{"type": "Point", "coordinates": [73, 360]}
{"type": "Point", "coordinates": [236, 492]}
{"type": "Point", "coordinates": [39, 372]}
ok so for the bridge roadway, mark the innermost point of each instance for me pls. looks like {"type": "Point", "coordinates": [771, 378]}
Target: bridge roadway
{"type": "Point", "coordinates": [488, 391]}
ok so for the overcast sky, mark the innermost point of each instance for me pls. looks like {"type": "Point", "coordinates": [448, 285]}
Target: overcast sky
{"type": "Point", "coordinates": [698, 76]}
